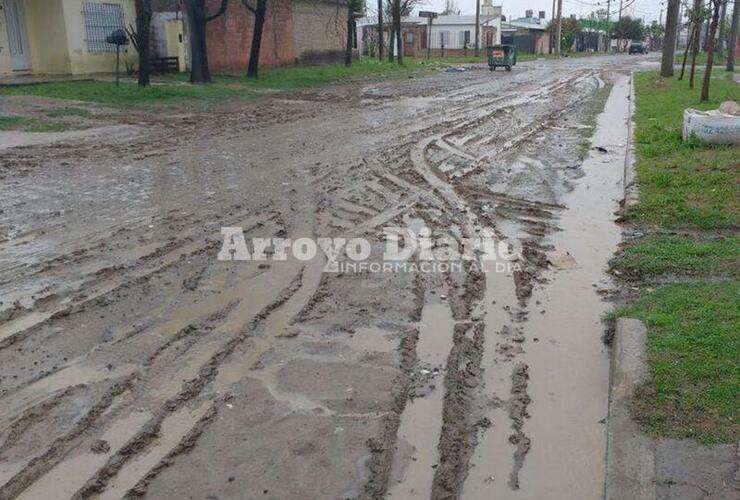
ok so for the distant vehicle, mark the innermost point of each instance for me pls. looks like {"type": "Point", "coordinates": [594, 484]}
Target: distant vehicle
{"type": "Point", "coordinates": [637, 48]}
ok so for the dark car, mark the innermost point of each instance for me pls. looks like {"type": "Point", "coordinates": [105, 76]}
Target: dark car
{"type": "Point", "coordinates": [638, 48]}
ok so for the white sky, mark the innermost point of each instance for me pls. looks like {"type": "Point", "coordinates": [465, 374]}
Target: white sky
{"type": "Point", "coordinates": [650, 9]}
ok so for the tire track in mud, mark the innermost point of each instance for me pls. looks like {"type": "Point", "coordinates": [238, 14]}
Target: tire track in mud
{"type": "Point", "coordinates": [458, 435]}
{"type": "Point", "coordinates": [403, 181]}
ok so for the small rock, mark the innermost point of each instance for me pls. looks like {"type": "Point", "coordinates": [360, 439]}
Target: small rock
{"type": "Point", "coordinates": [100, 446]}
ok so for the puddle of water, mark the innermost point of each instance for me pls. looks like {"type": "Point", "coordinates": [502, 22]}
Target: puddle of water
{"type": "Point", "coordinates": [568, 364]}
{"type": "Point", "coordinates": [421, 421]}
{"type": "Point", "coordinates": [493, 454]}
{"type": "Point", "coordinates": [173, 430]}
{"type": "Point", "coordinates": [71, 474]}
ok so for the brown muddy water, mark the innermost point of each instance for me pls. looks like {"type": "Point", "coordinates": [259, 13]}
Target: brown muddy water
{"type": "Point", "coordinates": [136, 364]}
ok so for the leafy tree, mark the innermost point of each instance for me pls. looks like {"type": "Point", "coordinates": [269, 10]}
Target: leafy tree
{"type": "Point", "coordinates": [628, 28]}
{"type": "Point", "coordinates": [568, 32]}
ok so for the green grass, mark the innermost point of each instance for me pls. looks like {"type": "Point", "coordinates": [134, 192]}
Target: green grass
{"type": "Point", "coordinates": [677, 257]}
{"type": "Point", "coordinates": [693, 351]}
{"type": "Point", "coordinates": [682, 183]}
{"type": "Point", "coordinates": [689, 280]}
{"type": "Point", "coordinates": [27, 124]}
{"type": "Point", "coordinates": [126, 93]}
{"type": "Point", "coordinates": [176, 89]}
{"type": "Point", "coordinates": [701, 59]}
{"type": "Point", "coordinates": [12, 122]}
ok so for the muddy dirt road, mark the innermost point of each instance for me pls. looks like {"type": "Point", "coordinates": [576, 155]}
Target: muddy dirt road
{"type": "Point", "coordinates": [134, 363]}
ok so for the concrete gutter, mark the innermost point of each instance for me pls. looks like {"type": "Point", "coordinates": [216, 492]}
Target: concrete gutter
{"type": "Point", "coordinates": [630, 456]}
{"type": "Point", "coordinates": [631, 191]}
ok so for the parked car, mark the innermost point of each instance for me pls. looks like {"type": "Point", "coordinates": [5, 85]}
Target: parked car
{"type": "Point", "coordinates": [638, 48]}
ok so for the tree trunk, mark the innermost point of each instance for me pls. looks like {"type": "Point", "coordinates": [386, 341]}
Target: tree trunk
{"type": "Point", "coordinates": [669, 45]}
{"type": "Point", "coordinates": [710, 51]}
{"type": "Point", "coordinates": [143, 22]}
{"type": "Point", "coordinates": [348, 49]}
{"type": "Point", "coordinates": [380, 30]}
{"type": "Point", "coordinates": [722, 33]}
{"type": "Point", "coordinates": [695, 47]}
{"type": "Point", "coordinates": [197, 21]}
{"type": "Point", "coordinates": [399, 35]}
{"type": "Point", "coordinates": [686, 54]}
{"type": "Point", "coordinates": [732, 41]}
{"type": "Point", "coordinates": [254, 51]}
{"type": "Point", "coordinates": [391, 39]}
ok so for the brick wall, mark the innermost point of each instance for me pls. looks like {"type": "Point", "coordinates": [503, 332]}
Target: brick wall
{"type": "Point", "coordinates": [229, 36]}
{"type": "Point", "coordinates": [320, 31]}
{"type": "Point", "coordinates": [295, 31]}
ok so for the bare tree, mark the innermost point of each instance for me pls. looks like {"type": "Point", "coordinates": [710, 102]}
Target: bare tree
{"type": "Point", "coordinates": [669, 41]}
{"type": "Point", "coordinates": [689, 44]}
{"type": "Point", "coordinates": [380, 30]}
{"type": "Point", "coordinates": [732, 41]}
{"type": "Point", "coordinates": [354, 10]}
{"type": "Point", "coordinates": [397, 12]}
{"type": "Point", "coordinates": [716, 5]}
{"type": "Point", "coordinates": [722, 23]}
{"type": "Point", "coordinates": [140, 38]}
{"type": "Point", "coordinates": [198, 18]}
{"type": "Point", "coordinates": [451, 8]}
{"type": "Point", "coordinates": [259, 11]}
{"type": "Point", "coordinates": [697, 15]}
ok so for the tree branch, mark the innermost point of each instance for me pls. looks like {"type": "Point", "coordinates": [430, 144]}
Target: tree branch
{"type": "Point", "coordinates": [221, 10]}
{"type": "Point", "coordinates": [249, 7]}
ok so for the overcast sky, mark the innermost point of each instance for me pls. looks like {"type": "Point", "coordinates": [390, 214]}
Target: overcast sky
{"type": "Point", "coordinates": [650, 9]}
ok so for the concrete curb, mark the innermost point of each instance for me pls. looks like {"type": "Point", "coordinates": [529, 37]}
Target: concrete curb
{"type": "Point", "coordinates": [630, 456]}
{"type": "Point", "coordinates": [631, 191]}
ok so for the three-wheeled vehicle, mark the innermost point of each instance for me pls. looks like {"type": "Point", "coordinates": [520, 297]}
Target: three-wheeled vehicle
{"type": "Point", "coordinates": [501, 55]}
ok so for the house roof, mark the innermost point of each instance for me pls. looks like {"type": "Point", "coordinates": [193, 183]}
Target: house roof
{"type": "Point", "coordinates": [505, 25]}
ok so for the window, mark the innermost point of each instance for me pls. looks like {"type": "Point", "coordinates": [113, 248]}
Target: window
{"type": "Point", "coordinates": [101, 19]}
{"type": "Point", "coordinates": [464, 38]}
{"type": "Point", "coordinates": [444, 38]}
{"type": "Point", "coordinates": [409, 37]}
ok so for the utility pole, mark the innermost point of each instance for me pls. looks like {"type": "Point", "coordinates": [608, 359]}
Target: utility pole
{"type": "Point", "coordinates": [477, 28]}
{"type": "Point", "coordinates": [552, 35]}
{"type": "Point", "coordinates": [619, 18]}
{"type": "Point", "coordinates": [560, 27]}
{"type": "Point", "coordinates": [669, 42]}
{"type": "Point", "coordinates": [608, 35]}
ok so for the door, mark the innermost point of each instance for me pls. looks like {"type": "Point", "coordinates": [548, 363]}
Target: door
{"type": "Point", "coordinates": [16, 35]}
{"type": "Point", "coordinates": [408, 44]}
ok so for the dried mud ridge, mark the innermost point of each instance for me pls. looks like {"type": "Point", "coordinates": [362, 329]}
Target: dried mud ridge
{"type": "Point", "coordinates": [127, 347]}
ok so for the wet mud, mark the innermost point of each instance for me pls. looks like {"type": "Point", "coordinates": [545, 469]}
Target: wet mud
{"type": "Point", "coordinates": [135, 364]}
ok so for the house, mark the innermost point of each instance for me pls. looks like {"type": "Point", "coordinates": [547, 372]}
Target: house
{"type": "Point", "coordinates": [61, 36]}
{"type": "Point", "coordinates": [449, 35]}
{"type": "Point", "coordinates": [529, 34]}
{"type": "Point", "coordinates": [295, 32]}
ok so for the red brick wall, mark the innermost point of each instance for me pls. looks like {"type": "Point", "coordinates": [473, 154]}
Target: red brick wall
{"type": "Point", "coordinates": [229, 36]}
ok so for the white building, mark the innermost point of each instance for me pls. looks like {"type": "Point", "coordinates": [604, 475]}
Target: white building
{"type": "Point", "coordinates": [450, 35]}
